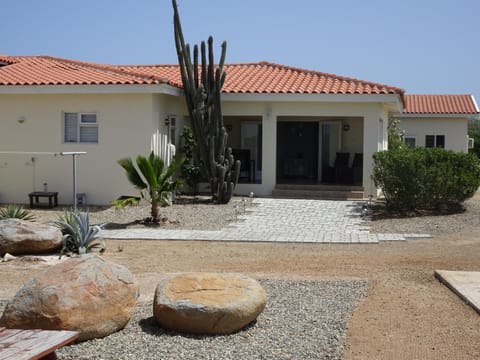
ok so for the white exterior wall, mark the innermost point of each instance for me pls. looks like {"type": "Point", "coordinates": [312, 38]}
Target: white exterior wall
{"type": "Point", "coordinates": [454, 129]}
{"type": "Point", "coordinates": [126, 124]}
{"type": "Point", "coordinates": [132, 124]}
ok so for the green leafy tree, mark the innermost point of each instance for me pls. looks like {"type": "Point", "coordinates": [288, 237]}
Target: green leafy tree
{"type": "Point", "coordinates": [474, 133]}
{"type": "Point", "coordinates": [395, 134]}
{"type": "Point", "coordinates": [153, 179]}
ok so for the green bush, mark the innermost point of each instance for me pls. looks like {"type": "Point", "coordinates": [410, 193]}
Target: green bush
{"type": "Point", "coordinates": [190, 170]}
{"type": "Point", "coordinates": [425, 178]}
{"type": "Point", "coordinates": [14, 211]}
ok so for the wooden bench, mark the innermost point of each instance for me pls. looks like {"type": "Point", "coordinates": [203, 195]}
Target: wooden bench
{"type": "Point", "coordinates": [33, 344]}
{"type": "Point", "coordinates": [36, 195]}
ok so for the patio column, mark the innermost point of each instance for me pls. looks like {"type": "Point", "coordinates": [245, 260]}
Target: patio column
{"type": "Point", "coordinates": [269, 150]}
{"type": "Point", "coordinates": [374, 139]}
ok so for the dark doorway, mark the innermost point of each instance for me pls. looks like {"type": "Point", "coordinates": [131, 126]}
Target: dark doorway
{"type": "Point", "coordinates": [297, 151]}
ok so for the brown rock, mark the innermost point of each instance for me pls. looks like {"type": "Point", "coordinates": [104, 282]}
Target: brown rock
{"type": "Point", "coordinates": [84, 293]}
{"type": "Point", "coordinates": [207, 303]}
{"type": "Point", "coordinates": [26, 237]}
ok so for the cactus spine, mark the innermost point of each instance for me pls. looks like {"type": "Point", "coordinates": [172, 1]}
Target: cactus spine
{"type": "Point", "coordinates": [202, 94]}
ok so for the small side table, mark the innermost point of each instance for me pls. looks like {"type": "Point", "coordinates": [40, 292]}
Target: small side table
{"type": "Point", "coordinates": [36, 195]}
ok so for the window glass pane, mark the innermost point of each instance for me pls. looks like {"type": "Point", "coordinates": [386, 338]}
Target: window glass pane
{"type": "Point", "coordinates": [429, 141]}
{"type": "Point", "coordinates": [70, 127]}
{"type": "Point", "coordinates": [441, 141]}
{"type": "Point", "coordinates": [88, 134]}
{"type": "Point", "coordinates": [89, 118]}
{"type": "Point", "coordinates": [410, 142]}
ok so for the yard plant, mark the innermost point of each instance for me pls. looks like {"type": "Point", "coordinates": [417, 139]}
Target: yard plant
{"type": "Point", "coordinates": [153, 179]}
{"type": "Point", "coordinates": [425, 178]}
{"type": "Point", "coordinates": [190, 170]}
{"type": "Point", "coordinates": [202, 84]}
{"type": "Point", "coordinates": [79, 236]}
{"type": "Point", "coordinates": [15, 211]}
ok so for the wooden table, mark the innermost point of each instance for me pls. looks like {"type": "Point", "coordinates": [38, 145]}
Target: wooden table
{"type": "Point", "coordinates": [36, 195]}
{"type": "Point", "coordinates": [33, 344]}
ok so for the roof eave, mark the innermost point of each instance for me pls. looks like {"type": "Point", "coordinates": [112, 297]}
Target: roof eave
{"type": "Point", "coordinates": [91, 89]}
{"type": "Point", "coordinates": [295, 97]}
{"type": "Point", "coordinates": [434, 115]}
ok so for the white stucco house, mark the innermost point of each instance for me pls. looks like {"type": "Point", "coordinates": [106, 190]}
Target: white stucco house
{"type": "Point", "coordinates": [294, 129]}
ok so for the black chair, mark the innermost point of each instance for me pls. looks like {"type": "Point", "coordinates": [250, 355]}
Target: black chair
{"type": "Point", "coordinates": [245, 167]}
{"type": "Point", "coordinates": [357, 169]}
{"type": "Point", "coordinates": [338, 173]}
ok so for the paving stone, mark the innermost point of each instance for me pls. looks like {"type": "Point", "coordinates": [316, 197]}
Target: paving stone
{"type": "Point", "coordinates": [282, 220]}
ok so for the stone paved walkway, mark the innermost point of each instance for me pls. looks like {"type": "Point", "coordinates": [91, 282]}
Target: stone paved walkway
{"type": "Point", "coordinates": [281, 220]}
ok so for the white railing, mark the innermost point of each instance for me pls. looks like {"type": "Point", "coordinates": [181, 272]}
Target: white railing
{"type": "Point", "coordinates": [162, 147]}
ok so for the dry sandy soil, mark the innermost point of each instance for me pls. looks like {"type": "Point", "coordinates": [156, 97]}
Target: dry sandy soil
{"type": "Point", "coordinates": [407, 314]}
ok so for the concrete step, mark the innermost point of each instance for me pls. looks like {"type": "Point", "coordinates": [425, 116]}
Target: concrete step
{"type": "Point", "coordinates": [319, 187]}
{"type": "Point", "coordinates": [317, 194]}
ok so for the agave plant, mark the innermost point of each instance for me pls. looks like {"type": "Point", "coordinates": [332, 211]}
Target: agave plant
{"type": "Point", "coordinates": [15, 211]}
{"type": "Point", "coordinates": [78, 235]}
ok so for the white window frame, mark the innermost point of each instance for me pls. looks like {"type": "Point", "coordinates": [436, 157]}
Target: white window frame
{"type": "Point", "coordinates": [414, 138]}
{"type": "Point", "coordinates": [80, 124]}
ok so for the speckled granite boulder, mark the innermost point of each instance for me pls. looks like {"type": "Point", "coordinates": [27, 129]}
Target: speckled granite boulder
{"type": "Point", "coordinates": [26, 237]}
{"type": "Point", "coordinates": [207, 303]}
{"type": "Point", "coordinates": [84, 293]}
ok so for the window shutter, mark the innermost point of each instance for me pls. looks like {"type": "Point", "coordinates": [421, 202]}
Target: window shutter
{"type": "Point", "coordinates": [70, 127]}
{"type": "Point", "coordinates": [89, 134]}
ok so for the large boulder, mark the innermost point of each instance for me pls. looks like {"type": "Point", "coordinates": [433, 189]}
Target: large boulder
{"type": "Point", "coordinates": [26, 237]}
{"type": "Point", "coordinates": [207, 303]}
{"type": "Point", "coordinates": [84, 293]}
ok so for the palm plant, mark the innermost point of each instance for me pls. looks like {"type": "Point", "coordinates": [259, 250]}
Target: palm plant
{"type": "Point", "coordinates": [14, 211]}
{"type": "Point", "coordinates": [153, 179]}
{"type": "Point", "coordinates": [78, 236]}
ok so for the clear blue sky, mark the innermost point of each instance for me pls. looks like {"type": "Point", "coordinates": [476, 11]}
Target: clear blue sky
{"type": "Point", "coordinates": [423, 46]}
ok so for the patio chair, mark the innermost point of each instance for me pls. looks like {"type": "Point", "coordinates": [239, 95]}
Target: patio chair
{"type": "Point", "coordinates": [245, 166]}
{"type": "Point", "coordinates": [357, 169]}
{"type": "Point", "coordinates": [340, 170]}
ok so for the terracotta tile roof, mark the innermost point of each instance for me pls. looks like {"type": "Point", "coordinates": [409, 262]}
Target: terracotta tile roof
{"type": "Point", "coordinates": [45, 70]}
{"type": "Point", "coordinates": [261, 77]}
{"type": "Point", "coordinates": [268, 78]}
{"type": "Point", "coordinates": [439, 104]}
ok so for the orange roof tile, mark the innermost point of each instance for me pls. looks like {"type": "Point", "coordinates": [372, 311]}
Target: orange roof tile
{"type": "Point", "coordinates": [439, 104]}
{"type": "Point", "coordinates": [261, 77]}
{"type": "Point", "coordinates": [268, 78]}
{"type": "Point", "coordinates": [45, 70]}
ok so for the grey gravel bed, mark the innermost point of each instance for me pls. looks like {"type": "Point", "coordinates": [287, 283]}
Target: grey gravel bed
{"type": "Point", "coordinates": [302, 320]}
{"type": "Point", "coordinates": [440, 224]}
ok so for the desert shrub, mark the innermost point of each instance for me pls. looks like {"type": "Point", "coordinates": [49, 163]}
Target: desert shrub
{"type": "Point", "coordinates": [425, 178]}
{"type": "Point", "coordinates": [78, 235]}
{"type": "Point", "coordinates": [14, 211]}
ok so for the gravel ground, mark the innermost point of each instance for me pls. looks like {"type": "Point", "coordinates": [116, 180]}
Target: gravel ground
{"type": "Point", "coordinates": [201, 215]}
{"type": "Point", "coordinates": [435, 225]}
{"type": "Point", "coordinates": [186, 213]}
{"type": "Point", "coordinates": [302, 320]}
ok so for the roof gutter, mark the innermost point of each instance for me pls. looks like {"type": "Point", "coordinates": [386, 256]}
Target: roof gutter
{"type": "Point", "coordinates": [90, 89]}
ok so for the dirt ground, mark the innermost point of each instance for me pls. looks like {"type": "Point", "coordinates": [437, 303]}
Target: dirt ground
{"type": "Point", "coordinates": [408, 314]}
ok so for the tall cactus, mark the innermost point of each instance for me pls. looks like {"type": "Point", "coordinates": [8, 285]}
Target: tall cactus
{"type": "Point", "coordinates": [202, 88]}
